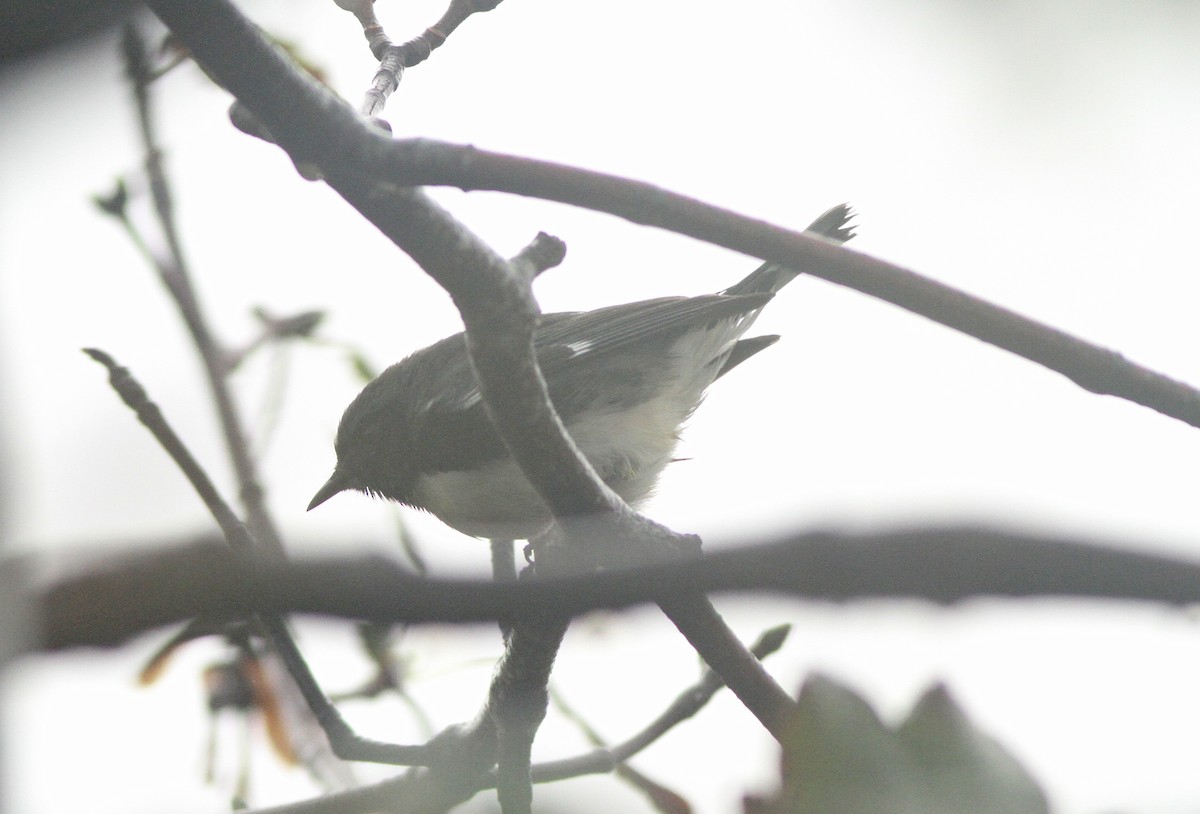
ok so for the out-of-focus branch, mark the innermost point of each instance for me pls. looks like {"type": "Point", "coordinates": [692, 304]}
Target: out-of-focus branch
{"type": "Point", "coordinates": [174, 273]}
{"type": "Point", "coordinates": [686, 704]}
{"type": "Point", "coordinates": [135, 398]}
{"type": "Point", "coordinates": [125, 596]}
{"type": "Point", "coordinates": [345, 742]}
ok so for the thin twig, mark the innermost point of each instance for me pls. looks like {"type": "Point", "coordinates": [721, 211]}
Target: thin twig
{"type": "Point", "coordinates": [659, 796]}
{"type": "Point", "coordinates": [173, 271]}
{"type": "Point", "coordinates": [135, 397]}
{"type": "Point", "coordinates": [685, 705]}
{"type": "Point", "coordinates": [346, 743]}
{"type": "Point", "coordinates": [393, 59]}
{"type": "Point", "coordinates": [519, 693]}
{"type": "Point", "coordinates": [694, 616]}
{"type": "Point", "coordinates": [175, 276]}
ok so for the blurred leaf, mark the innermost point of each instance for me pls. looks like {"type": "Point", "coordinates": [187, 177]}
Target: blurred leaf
{"type": "Point", "coordinates": [363, 368]}
{"type": "Point", "coordinates": [960, 762]}
{"type": "Point", "coordinates": [114, 203]}
{"type": "Point", "coordinates": [842, 759]}
{"type": "Point", "coordinates": [295, 326]}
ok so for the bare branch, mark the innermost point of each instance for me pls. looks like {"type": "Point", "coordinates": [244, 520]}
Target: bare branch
{"type": "Point", "coordinates": [544, 252]}
{"type": "Point", "coordinates": [346, 743]}
{"type": "Point", "coordinates": [1095, 369]}
{"type": "Point", "coordinates": [393, 59]}
{"type": "Point", "coordinates": [941, 565]}
{"type": "Point", "coordinates": [517, 700]}
{"type": "Point", "coordinates": [426, 162]}
{"type": "Point", "coordinates": [134, 396]}
{"type": "Point", "coordinates": [685, 705]}
{"type": "Point", "coordinates": [174, 274]}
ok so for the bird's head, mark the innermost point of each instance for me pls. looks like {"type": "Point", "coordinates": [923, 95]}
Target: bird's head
{"type": "Point", "coordinates": [374, 452]}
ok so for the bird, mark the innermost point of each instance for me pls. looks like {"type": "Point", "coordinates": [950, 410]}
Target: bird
{"type": "Point", "coordinates": [623, 379]}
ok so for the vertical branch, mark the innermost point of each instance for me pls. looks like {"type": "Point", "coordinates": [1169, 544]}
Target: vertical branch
{"type": "Point", "coordinates": [517, 703]}
{"type": "Point", "coordinates": [175, 276]}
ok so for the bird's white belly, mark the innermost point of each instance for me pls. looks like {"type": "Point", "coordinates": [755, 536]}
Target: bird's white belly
{"type": "Point", "coordinates": [629, 448]}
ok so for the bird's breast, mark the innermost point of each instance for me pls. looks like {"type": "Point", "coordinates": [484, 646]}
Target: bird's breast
{"type": "Point", "coordinates": [628, 448]}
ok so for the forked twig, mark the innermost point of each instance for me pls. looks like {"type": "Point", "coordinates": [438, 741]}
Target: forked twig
{"type": "Point", "coordinates": [393, 59]}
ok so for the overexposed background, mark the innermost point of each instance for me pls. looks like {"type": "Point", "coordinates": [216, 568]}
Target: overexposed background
{"type": "Point", "coordinates": [1041, 154]}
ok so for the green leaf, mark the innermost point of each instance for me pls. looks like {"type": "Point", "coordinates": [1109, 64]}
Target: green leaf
{"type": "Point", "coordinates": [842, 759]}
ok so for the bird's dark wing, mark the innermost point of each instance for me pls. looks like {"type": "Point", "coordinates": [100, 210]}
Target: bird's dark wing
{"type": "Point", "coordinates": [619, 356]}
{"type": "Point", "coordinates": [584, 356]}
{"type": "Point", "coordinates": [605, 331]}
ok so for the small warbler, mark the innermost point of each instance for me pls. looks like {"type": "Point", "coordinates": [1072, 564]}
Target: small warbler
{"type": "Point", "coordinates": [623, 379]}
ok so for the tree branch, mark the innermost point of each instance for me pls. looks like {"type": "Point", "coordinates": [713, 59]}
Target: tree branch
{"type": "Point", "coordinates": [175, 276]}
{"type": "Point", "coordinates": [1095, 369]}
{"type": "Point", "coordinates": [686, 704]}
{"type": "Point", "coordinates": [426, 162]}
{"type": "Point", "coordinates": [393, 59]}
{"type": "Point", "coordinates": [345, 742]}
{"type": "Point", "coordinates": [129, 595]}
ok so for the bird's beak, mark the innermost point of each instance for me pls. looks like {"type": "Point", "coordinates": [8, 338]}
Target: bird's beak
{"type": "Point", "coordinates": [338, 482]}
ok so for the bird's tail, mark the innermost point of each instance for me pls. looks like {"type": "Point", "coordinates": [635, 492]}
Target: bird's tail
{"type": "Point", "coordinates": [770, 277]}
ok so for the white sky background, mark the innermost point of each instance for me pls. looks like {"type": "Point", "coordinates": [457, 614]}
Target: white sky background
{"type": "Point", "coordinates": [1042, 155]}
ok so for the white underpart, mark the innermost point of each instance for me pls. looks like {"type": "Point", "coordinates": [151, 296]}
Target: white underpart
{"type": "Point", "coordinates": [497, 501]}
